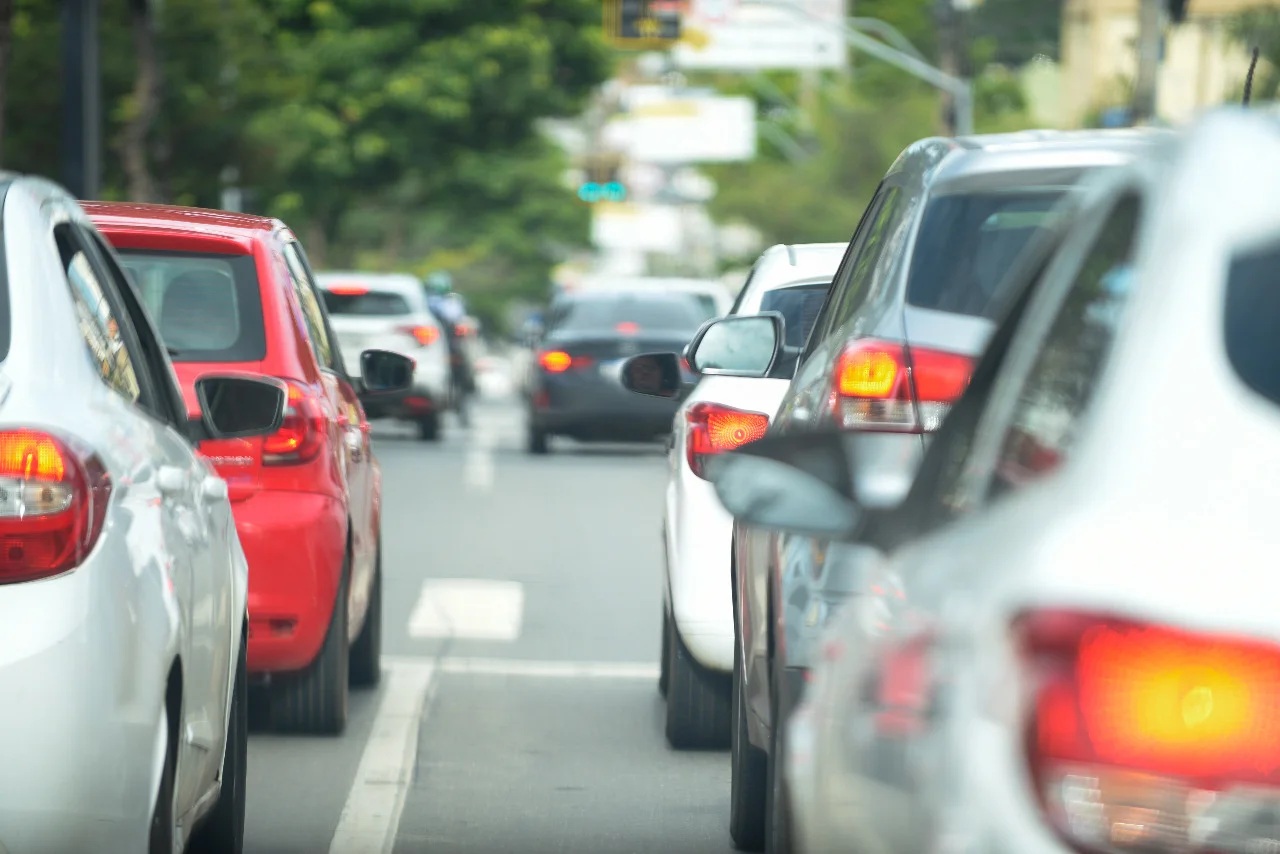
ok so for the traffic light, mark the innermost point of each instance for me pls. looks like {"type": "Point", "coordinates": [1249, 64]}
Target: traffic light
{"type": "Point", "coordinates": [603, 180]}
{"type": "Point", "coordinates": [1177, 10]}
{"type": "Point", "coordinates": [641, 24]}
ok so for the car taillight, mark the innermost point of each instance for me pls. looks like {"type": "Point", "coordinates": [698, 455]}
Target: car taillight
{"type": "Point", "coordinates": [903, 687]}
{"type": "Point", "coordinates": [53, 502]}
{"type": "Point", "coordinates": [1152, 739]}
{"type": "Point", "coordinates": [558, 361]}
{"type": "Point", "coordinates": [626, 327]}
{"type": "Point", "coordinates": [714, 429]}
{"type": "Point", "coordinates": [301, 436]}
{"type": "Point", "coordinates": [424, 335]}
{"type": "Point", "coordinates": [884, 385]}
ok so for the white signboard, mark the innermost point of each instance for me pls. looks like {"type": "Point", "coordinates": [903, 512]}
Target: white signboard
{"type": "Point", "coordinates": [705, 129]}
{"type": "Point", "coordinates": [738, 35]}
{"type": "Point", "coordinates": [639, 228]}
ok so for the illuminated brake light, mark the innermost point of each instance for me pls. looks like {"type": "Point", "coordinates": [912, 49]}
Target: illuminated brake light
{"type": "Point", "coordinates": [53, 504]}
{"type": "Point", "coordinates": [301, 435]}
{"type": "Point", "coordinates": [348, 290]}
{"type": "Point", "coordinates": [558, 361]}
{"type": "Point", "coordinates": [715, 429]}
{"type": "Point", "coordinates": [424, 335]}
{"type": "Point", "coordinates": [627, 328]}
{"type": "Point", "coordinates": [883, 385]}
{"type": "Point", "coordinates": [1138, 734]}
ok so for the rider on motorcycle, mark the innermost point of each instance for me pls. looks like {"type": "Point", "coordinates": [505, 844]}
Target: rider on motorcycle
{"type": "Point", "coordinates": [448, 309]}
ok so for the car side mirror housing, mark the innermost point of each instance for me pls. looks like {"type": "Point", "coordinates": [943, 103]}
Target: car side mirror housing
{"type": "Point", "coordinates": [799, 483]}
{"type": "Point", "coordinates": [382, 371]}
{"type": "Point", "coordinates": [738, 345]}
{"type": "Point", "coordinates": [238, 406]}
{"type": "Point", "coordinates": [653, 374]}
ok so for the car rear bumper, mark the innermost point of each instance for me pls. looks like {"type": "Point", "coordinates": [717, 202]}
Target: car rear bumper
{"type": "Point", "coordinates": [409, 405]}
{"type": "Point", "coordinates": [295, 543]}
{"type": "Point", "coordinates": [588, 405]}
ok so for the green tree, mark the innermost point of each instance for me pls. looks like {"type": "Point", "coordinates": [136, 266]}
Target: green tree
{"type": "Point", "coordinates": [1014, 32]}
{"type": "Point", "coordinates": [1260, 27]}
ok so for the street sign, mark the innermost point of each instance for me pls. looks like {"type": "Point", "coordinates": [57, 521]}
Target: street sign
{"type": "Point", "coordinates": [745, 36]}
{"type": "Point", "coordinates": [677, 130]}
{"type": "Point", "coordinates": [642, 24]}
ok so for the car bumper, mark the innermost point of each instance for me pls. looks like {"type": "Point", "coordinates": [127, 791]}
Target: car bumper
{"type": "Point", "coordinates": [295, 543]}
{"type": "Point", "coordinates": [591, 406]}
{"type": "Point", "coordinates": [409, 405]}
{"type": "Point", "coordinates": [700, 544]}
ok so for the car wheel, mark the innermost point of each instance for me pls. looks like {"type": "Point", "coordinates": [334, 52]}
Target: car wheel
{"type": "Point", "coordinates": [366, 652]}
{"type": "Point", "coordinates": [315, 700]}
{"type": "Point", "coordinates": [429, 428]}
{"type": "Point", "coordinates": [162, 820]}
{"type": "Point", "coordinates": [537, 439]}
{"type": "Point", "coordinates": [697, 700]}
{"type": "Point", "coordinates": [664, 671]}
{"type": "Point", "coordinates": [222, 832]}
{"type": "Point", "coordinates": [749, 775]}
{"type": "Point", "coordinates": [777, 806]}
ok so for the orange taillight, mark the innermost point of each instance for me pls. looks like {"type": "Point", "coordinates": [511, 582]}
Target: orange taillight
{"type": "Point", "coordinates": [715, 429]}
{"type": "Point", "coordinates": [869, 372]}
{"type": "Point", "coordinates": [555, 361]}
{"type": "Point", "coordinates": [31, 455]}
{"type": "Point", "coordinates": [424, 335]}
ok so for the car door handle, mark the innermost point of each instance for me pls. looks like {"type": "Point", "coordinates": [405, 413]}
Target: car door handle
{"type": "Point", "coordinates": [172, 480]}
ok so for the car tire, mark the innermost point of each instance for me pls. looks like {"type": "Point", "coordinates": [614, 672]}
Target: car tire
{"type": "Point", "coordinates": [162, 817]}
{"type": "Point", "coordinates": [314, 701]}
{"type": "Point", "coordinates": [698, 700]}
{"type": "Point", "coordinates": [537, 440]}
{"type": "Point", "coordinates": [222, 831]}
{"type": "Point", "coordinates": [664, 666]}
{"type": "Point", "coordinates": [749, 775]}
{"type": "Point", "coordinates": [777, 807]}
{"type": "Point", "coordinates": [366, 652]}
{"type": "Point", "coordinates": [429, 428]}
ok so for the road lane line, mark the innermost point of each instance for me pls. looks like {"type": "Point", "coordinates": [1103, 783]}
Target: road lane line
{"type": "Point", "coordinates": [477, 473]}
{"type": "Point", "coordinates": [546, 669]}
{"type": "Point", "coordinates": [468, 609]}
{"type": "Point", "coordinates": [371, 815]}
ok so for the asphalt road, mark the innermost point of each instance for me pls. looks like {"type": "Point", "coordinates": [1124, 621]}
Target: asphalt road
{"type": "Point", "coordinates": [519, 709]}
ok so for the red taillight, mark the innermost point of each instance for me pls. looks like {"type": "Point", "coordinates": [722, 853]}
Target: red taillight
{"type": "Point", "coordinates": [626, 327]}
{"type": "Point", "coordinates": [53, 502]}
{"type": "Point", "coordinates": [1134, 729]}
{"type": "Point", "coordinates": [348, 290]}
{"type": "Point", "coordinates": [904, 688]}
{"type": "Point", "coordinates": [714, 429]}
{"type": "Point", "coordinates": [558, 361]}
{"type": "Point", "coordinates": [301, 436]}
{"type": "Point", "coordinates": [883, 385]}
{"type": "Point", "coordinates": [424, 335]}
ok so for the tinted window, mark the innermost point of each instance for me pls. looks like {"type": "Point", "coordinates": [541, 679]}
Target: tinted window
{"type": "Point", "coordinates": [1252, 308]}
{"type": "Point", "coordinates": [873, 239]}
{"type": "Point", "coordinates": [647, 312]}
{"type": "Point", "coordinates": [312, 314]}
{"type": "Point", "coordinates": [967, 243]}
{"type": "Point", "coordinates": [708, 305]}
{"type": "Point", "coordinates": [373, 303]}
{"type": "Point", "coordinates": [1065, 373]}
{"type": "Point", "coordinates": [799, 307]}
{"type": "Point", "coordinates": [207, 307]}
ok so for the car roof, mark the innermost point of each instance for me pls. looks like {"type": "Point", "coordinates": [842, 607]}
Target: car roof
{"type": "Point", "coordinates": [790, 264]}
{"type": "Point", "coordinates": [178, 218]}
{"type": "Point", "coordinates": [401, 283]}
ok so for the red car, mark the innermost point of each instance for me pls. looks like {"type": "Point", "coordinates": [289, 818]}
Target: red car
{"type": "Point", "coordinates": [236, 292]}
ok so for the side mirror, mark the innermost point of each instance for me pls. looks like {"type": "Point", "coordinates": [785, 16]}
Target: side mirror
{"type": "Point", "coordinates": [800, 483]}
{"type": "Point", "coordinates": [383, 371]}
{"type": "Point", "coordinates": [239, 406]}
{"type": "Point", "coordinates": [740, 345]}
{"type": "Point", "coordinates": [653, 374]}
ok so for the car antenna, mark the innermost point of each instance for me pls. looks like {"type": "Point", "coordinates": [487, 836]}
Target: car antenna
{"type": "Point", "coordinates": [1248, 80]}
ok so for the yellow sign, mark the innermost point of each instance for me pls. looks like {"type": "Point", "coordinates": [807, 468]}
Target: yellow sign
{"type": "Point", "coordinates": [666, 108]}
{"type": "Point", "coordinates": [696, 39]}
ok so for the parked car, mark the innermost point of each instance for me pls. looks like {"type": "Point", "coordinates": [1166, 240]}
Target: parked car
{"type": "Point", "coordinates": [1038, 662]}
{"type": "Point", "coordinates": [389, 311]}
{"type": "Point", "coordinates": [721, 413]}
{"type": "Point", "coordinates": [577, 389]}
{"type": "Point", "coordinates": [909, 311]}
{"type": "Point", "coordinates": [235, 292]}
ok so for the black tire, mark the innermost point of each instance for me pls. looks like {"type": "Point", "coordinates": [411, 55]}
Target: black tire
{"type": "Point", "coordinates": [698, 700]}
{"type": "Point", "coordinates": [314, 700]}
{"type": "Point", "coordinates": [537, 440]}
{"type": "Point", "coordinates": [429, 428]}
{"type": "Point", "coordinates": [777, 803]}
{"type": "Point", "coordinates": [366, 652]}
{"type": "Point", "coordinates": [748, 799]}
{"type": "Point", "coordinates": [664, 669]}
{"type": "Point", "coordinates": [222, 831]}
{"type": "Point", "coordinates": [162, 818]}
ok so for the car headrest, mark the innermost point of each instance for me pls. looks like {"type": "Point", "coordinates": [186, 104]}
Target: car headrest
{"type": "Point", "coordinates": [198, 311]}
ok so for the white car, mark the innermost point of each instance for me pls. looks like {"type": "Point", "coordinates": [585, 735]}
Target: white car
{"type": "Point", "coordinates": [122, 580]}
{"type": "Point", "coordinates": [388, 311]}
{"type": "Point", "coordinates": [721, 413]}
{"type": "Point", "coordinates": [1074, 647]}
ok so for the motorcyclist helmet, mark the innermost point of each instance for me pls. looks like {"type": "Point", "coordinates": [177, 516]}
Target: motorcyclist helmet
{"type": "Point", "coordinates": [439, 282]}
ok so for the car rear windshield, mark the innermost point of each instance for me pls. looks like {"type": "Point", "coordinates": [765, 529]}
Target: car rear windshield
{"type": "Point", "coordinates": [207, 307]}
{"type": "Point", "coordinates": [1252, 307]}
{"type": "Point", "coordinates": [708, 304]}
{"type": "Point", "coordinates": [675, 312]}
{"type": "Point", "coordinates": [966, 244]}
{"type": "Point", "coordinates": [368, 304]}
{"type": "Point", "coordinates": [799, 307]}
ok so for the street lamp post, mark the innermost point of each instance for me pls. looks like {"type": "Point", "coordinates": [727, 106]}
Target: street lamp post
{"type": "Point", "coordinates": [81, 99]}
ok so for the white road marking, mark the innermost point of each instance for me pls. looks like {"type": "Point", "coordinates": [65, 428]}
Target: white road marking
{"type": "Point", "coordinates": [545, 669]}
{"type": "Point", "coordinates": [477, 473]}
{"type": "Point", "coordinates": [468, 609]}
{"type": "Point", "coordinates": [371, 815]}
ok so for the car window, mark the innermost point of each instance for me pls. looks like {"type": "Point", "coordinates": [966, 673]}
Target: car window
{"type": "Point", "coordinates": [1059, 387]}
{"type": "Point", "coordinates": [966, 243]}
{"type": "Point", "coordinates": [849, 292]}
{"type": "Point", "coordinates": [368, 304]}
{"type": "Point", "coordinates": [311, 311]}
{"type": "Point", "coordinates": [746, 287]}
{"type": "Point", "coordinates": [207, 307]}
{"type": "Point", "coordinates": [1251, 305]}
{"type": "Point", "coordinates": [799, 307]}
{"type": "Point", "coordinates": [665, 311]}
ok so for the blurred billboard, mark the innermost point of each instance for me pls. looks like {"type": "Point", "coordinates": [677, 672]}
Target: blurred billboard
{"type": "Point", "coordinates": [699, 129]}
{"type": "Point", "coordinates": [731, 35]}
{"type": "Point", "coordinates": [637, 227]}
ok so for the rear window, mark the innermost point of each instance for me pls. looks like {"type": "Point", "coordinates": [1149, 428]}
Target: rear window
{"type": "Point", "coordinates": [368, 304]}
{"type": "Point", "coordinates": [799, 307]}
{"type": "Point", "coordinates": [206, 307]}
{"type": "Point", "coordinates": [674, 312]}
{"type": "Point", "coordinates": [967, 243]}
{"type": "Point", "coordinates": [707, 304]}
{"type": "Point", "coordinates": [1252, 307]}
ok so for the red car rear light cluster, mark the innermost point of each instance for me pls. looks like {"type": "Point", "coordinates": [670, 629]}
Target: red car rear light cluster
{"type": "Point", "coordinates": [424, 335]}
{"type": "Point", "coordinates": [887, 386]}
{"type": "Point", "coordinates": [1146, 738]}
{"type": "Point", "coordinates": [558, 361]}
{"type": "Point", "coordinates": [53, 503]}
{"type": "Point", "coordinates": [301, 435]}
{"type": "Point", "coordinates": [715, 429]}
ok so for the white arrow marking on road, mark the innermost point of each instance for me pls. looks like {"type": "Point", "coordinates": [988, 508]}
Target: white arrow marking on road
{"type": "Point", "coordinates": [468, 609]}
{"type": "Point", "coordinates": [371, 815]}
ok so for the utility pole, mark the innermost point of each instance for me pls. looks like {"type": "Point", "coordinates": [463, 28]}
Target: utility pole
{"type": "Point", "coordinates": [81, 99]}
{"type": "Point", "coordinates": [946, 17]}
{"type": "Point", "coordinates": [1150, 23]}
